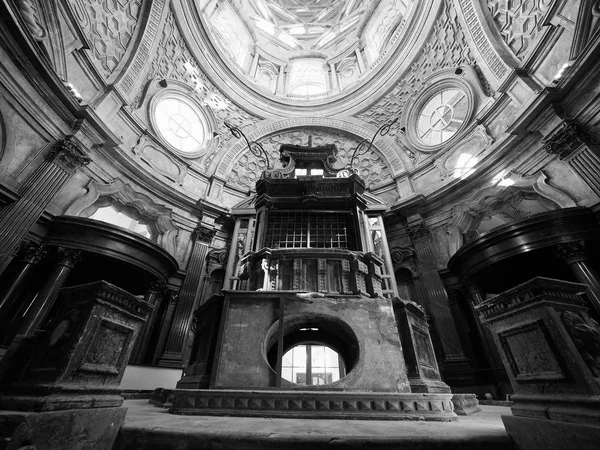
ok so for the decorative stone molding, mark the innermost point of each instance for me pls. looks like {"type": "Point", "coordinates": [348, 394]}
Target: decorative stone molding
{"type": "Point", "coordinates": [28, 10]}
{"type": "Point", "coordinates": [390, 158]}
{"type": "Point", "coordinates": [158, 287]}
{"type": "Point", "coordinates": [418, 232]}
{"type": "Point", "coordinates": [68, 257]}
{"type": "Point", "coordinates": [519, 23]}
{"type": "Point", "coordinates": [110, 26]}
{"type": "Point", "coordinates": [478, 29]}
{"type": "Point", "coordinates": [572, 251]}
{"type": "Point", "coordinates": [67, 153]}
{"type": "Point", "coordinates": [467, 214]}
{"type": "Point", "coordinates": [586, 337]}
{"type": "Point", "coordinates": [203, 234]}
{"type": "Point", "coordinates": [173, 60]}
{"type": "Point", "coordinates": [475, 144]}
{"type": "Point", "coordinates": [438, 53]}
{"type": "Point", "coordinates": [340, 405]}
{"type": "Point", "coordinates": [145, 46]}
{"type": "Point", "coordinates": [565, 141]}
{"type": "Point", "coordinates": [162, 162]}
{"type": "Point", "coordinates": [216, 260]}
{"type": "Point", "coordinates": [32, 253]}
{"type": "Point", "coordinates": [158, 217]}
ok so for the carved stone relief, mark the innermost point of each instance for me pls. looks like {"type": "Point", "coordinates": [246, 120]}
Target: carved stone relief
{"type": "Point", "coordinates": [371, 168]}
{"type": "Point", "coordinates": [30, 14]}
{"type": "Point", "coordinates": [157, 217]}
{"type": "Point", "coordinates": [110, 25]}
{"type": "Point", "coordinates": [519, 22]}
{"type": "Point", "coordinates": [474, 145]}
{"type": "Point", "coordinates": [224, 162]}
{"type": "Point", "coordinates": [348, 72]}
{"type": "Point", "coordinates": [446, 47]}
{"type": "Point", "coordinates": [468, 214]}
{"type": "Point", "coordinates": [173, 60]}
{"type": "Point", "coordinates": [586, 337]}
{"type": "Point", "coordinates": [160, 161]}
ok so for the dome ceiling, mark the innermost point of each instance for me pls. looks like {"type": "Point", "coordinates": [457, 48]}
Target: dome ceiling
{"type": "Point", "coordinates": [306, 50]}
{"type": "Point", "coordinates": [312, 23]}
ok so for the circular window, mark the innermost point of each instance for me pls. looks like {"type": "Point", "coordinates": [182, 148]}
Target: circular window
{"type": "Point", "coordinates": [438, 116]}
{"type": "Point", "coordinates": [180, 123]}
{"type": "Point", "coordinates": [316, 350]}
{"type": "Point", "coordinates": [442, 116]}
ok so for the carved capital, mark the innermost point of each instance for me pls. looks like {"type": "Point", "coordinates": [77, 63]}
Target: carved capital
{"type": "Point", "coordinates": [418, 232]}
{"type": "Point", "coordinates": [69, 154]}
{"type": "Point", "coordinates": [565, 141]}
{"type": "Point", "coordinates": [203, 234]}
{"type": "Point", "coordinates": [572, 251]}
{"type": "Point", "coordinates": [157, 287]}
{"type": "Point", "coordinates": [172, 296]}
{"type": "Point", "coordinates": [32, 253]}
{"type": "Point", "coordinates": [68, 257]}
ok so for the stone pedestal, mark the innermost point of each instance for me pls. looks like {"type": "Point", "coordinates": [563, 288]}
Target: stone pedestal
{"type": "Point", "coordinates": [67, 376]}
{"type": "Point", "coordinates": [422, 368]}
{"type": "Point", "coordinates": [550, 348]}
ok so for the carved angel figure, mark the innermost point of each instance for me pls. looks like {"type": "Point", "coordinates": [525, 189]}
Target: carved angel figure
{"type": "Point", "coordinates": [586, 337]}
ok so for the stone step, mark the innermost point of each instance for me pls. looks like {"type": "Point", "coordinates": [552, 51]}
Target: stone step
{"type": "Point", "coordinates": [151, 427]}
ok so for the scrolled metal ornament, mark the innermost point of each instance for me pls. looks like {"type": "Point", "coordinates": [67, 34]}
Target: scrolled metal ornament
{"type": "Point", "coordinates": [255, 148]}
{"type": "Point", "coordinates": [365, 145]}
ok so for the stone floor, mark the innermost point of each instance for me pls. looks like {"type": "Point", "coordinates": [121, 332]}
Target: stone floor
{"type": "Point", "coordinates": [151, 427]}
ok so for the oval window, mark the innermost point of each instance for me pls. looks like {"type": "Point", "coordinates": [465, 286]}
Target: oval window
{"type": "Point", "coordinates": [442, 116]}
{"type": "Point", "coordinates": [180, 123]}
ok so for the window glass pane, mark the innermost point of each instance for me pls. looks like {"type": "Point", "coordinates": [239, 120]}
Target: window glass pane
{"type": "Point", "coordinates": [110, 215]}
{"type": "Point", "coordinates": [442, 116]}
{"type": "Point", "coordinates": [324, 367]}
{"type": "Point", "coordinates": [179, 123]}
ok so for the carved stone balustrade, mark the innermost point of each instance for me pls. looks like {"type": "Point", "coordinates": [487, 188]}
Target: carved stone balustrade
{"type": "Point", "coordinates": [317, 270]}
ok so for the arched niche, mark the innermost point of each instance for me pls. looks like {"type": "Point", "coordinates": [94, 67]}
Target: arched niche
{"type": "Point", "coordinates": [508, 193]}
{"type": "Point", "coordinates": [396, 161]}
{"type": "Point", "coordinates": [124, 197]}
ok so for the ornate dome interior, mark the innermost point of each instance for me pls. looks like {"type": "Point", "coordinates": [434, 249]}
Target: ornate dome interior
{"type": "Point", "coordinates": [490, 112]}
{"type": "Point", "coordinates": [314, 42]}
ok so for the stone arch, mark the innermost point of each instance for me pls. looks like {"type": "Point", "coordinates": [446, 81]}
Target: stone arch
{"type": "Point", "coordinates": [468, 214]}
{"type": "Point", "coordinates": [156, 216]}
{"type": "Point", "coordinates": [396, 161]}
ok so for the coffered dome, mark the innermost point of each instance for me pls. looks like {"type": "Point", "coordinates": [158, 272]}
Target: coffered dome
{"type": "Point", "coordinates": [306, 49]}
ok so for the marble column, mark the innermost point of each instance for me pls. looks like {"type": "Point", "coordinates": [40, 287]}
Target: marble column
{"type": "Point", "coordinates": [44, 300]}
{"type": "Point", "coordinates": [188, 298]}
{"type": "Point", "coordinates": [573, 253]}
{"type": "Point", "coordinates": [155, 292]}
{"type": "Point", "coordinates": [30, 254]}
{"type": "Point", "coordinates": [435, 298]}
{"type": "Point", "coordinates": [39, 190]}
